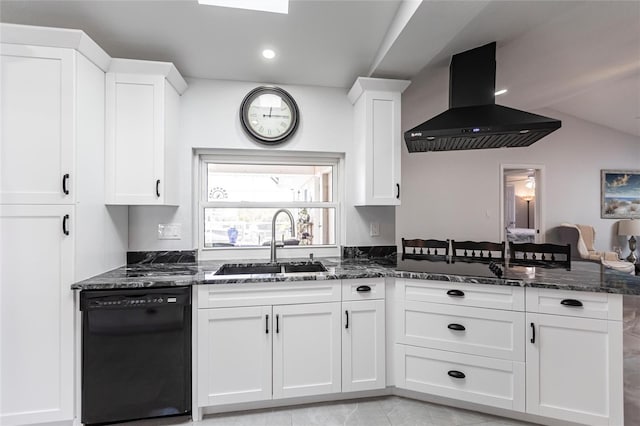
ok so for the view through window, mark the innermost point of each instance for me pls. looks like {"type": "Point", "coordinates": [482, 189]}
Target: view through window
{"type": "Point", "coordinates": [239, 201]}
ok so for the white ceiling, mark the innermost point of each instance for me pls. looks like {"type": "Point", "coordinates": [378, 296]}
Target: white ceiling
{"type": "Point", "coordinates": [578, 57]}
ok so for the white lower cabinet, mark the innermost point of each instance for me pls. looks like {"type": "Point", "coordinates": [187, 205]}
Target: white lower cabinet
{"type": "Point", "coordinates": [363, 345]}
{"type": "Point", "coordinates": [256, 353]}
{"type": "Point", "coordinates": [306, 349]}
{"type": "Point", "coordinates": [234, 355]}
{"type": "Point", "coordinates": [574, 369]}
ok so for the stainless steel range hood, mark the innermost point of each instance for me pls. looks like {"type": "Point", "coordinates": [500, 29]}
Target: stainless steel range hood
{"type": "Point", "coordinates": [473, 120]}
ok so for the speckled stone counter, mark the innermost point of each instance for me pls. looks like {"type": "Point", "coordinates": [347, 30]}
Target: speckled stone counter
{"type": "Point", "coordinates": [584, 276]}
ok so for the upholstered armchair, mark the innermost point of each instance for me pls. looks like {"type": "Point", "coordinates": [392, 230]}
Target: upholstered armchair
{"type": "Point", "coordinates": [586, 236]}
{"type": "Point", "coordinates": [586, 240]}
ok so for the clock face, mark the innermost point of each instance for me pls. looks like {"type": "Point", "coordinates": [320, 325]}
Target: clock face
{"type": "Point", "coordinates": [269, 115]}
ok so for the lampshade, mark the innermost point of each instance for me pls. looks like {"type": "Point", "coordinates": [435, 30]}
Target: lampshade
{"type": "Point", "coordinates": [629, 227]}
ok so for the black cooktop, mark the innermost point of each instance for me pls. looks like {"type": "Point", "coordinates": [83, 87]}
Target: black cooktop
{"type": "Point", "coordinates": [447, 265]}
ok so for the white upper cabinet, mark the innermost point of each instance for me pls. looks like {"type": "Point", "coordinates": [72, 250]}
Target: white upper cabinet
{"type": "Point", "coordinates": [377, 140]}
{"type": "Point", "coordinates": [142, 111]}
{"type": "Point", "coordinates": [37, 164]}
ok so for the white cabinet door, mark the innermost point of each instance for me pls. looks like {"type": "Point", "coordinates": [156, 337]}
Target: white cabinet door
{"type": "Point", "coordinates": [234, 355]}
{"type": "Point", "coordinates": [574, 369]}
{"type": "Point", "coordinates": [378, 139]}
{"type": "Point", "coordinates": [306, 349]}
{"type": "Point", "coordinates": [36, 314]}
{"type": "Point", "coordinates": [36, 156]}
{"type": "Point", "coordinates": [136, 138]}
{"type": "Point", "coordinates": [363, 345]}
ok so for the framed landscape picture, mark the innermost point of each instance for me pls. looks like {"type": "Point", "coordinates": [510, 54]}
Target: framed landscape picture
{"type": "Point", "coordinates": [620, 194]}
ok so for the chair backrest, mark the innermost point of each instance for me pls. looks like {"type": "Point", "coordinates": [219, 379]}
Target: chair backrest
{"type": "Point", "coordinates": [588, 235]}
{"type": "Point", "coordinates": [475, 251]}
{"type": "Point", "coordinates": [424, 249]}
{"type": "Point", "coordinates": [545, 255]}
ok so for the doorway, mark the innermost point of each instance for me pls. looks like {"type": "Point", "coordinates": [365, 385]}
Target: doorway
{"type": "Point", "coordinates": [521, 200]}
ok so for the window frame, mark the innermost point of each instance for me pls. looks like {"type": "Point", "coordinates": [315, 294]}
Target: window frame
{"type": "Point", "coordinates": [204, 156]}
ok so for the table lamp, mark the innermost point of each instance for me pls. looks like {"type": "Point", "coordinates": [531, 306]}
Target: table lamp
{"type": "Point", "coordinates": [630, 227]}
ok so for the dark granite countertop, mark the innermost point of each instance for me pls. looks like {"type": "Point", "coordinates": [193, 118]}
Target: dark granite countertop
{"type": "Point", "coordinates": [584, 276]}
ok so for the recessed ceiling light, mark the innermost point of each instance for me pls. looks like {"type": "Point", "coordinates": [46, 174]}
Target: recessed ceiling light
{"type": "Point", "coordinates": [500, 92]}
{"type": "Point", "coordinates": [275, 6]}
{"type": "Point", "coordinates": [268, 54]}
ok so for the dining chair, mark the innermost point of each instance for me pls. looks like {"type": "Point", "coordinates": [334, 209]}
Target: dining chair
{"type": "Point", "coordinates": [544, 255]}
{"type": "Point", "coordinates": [425, 249]}
{"type": "Point", "coordinates": [477, 251]}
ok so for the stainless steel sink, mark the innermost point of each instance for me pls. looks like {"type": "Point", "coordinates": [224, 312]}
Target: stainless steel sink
{"type": "Point", "coordinates": [304, 267]}
{"type": "Point", "coordinates": [270, 268]}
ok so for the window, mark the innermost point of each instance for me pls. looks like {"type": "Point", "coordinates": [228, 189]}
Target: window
{"type": "Point", "coordinates": [240, 194]}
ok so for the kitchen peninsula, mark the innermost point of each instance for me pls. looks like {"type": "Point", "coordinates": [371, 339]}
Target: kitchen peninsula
{"type": "Point", "coordinates": [483, 319]}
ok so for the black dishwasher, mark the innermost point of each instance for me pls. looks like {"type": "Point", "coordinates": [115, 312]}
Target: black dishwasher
{"type": "Point", "coordinates": [136, 353]}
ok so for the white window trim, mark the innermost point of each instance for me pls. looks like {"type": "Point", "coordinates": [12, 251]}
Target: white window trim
{"type": "Point", "coordinates": [201, 156]}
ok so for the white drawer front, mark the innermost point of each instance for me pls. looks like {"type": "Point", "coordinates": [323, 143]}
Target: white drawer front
{"type": "Point", "coordinates": [363, 289]}
{"type": "Point", "coordinates": [561, 302]}
{"type": "Point", "coordinates": [478, 331]}
{"type": "Point", "coordinates": [278, 293]}
{"type": "Point", "coordinates": [462, 294]}
{"type": "Point", "coordinates": [487, 381]}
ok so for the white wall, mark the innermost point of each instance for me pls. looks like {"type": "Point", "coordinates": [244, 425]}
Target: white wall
{"type": "Point", "coordinates": [209, 119]}
{"type": "Point", "coordinates": [456, 194]}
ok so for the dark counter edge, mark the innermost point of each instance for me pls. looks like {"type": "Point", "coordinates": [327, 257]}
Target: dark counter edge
{"type": "Point", "coordinates": [202, 275]}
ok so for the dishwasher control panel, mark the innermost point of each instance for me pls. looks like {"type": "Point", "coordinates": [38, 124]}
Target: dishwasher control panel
{"type": "Point", "coordinates": [133, 298]}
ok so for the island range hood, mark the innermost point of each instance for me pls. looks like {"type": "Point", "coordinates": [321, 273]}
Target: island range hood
{"type": "Point", "coordinates": [473, 120]}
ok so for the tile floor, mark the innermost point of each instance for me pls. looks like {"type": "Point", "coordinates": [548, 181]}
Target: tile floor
{"type": "Point", "coordinates": [385, 411]}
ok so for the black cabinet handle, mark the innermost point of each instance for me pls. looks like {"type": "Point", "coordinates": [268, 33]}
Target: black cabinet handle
{"type": "Point", "coordinates": [266, 322]}
{"type": "Point", "coordinates": [277, 323]}
{"type": "Point", "coordinates": [456, 374]}
{"type": "Point", "coordinates": [363, 288]}
{"type": "Point", "coordinates": [346, 313]}
{"type": "Point", "coordinates": [398, 190]}
{"type": "Point", "coordinates": [158, 188]}
{"type": "Point", "coordinates": [455, 293]}
{"type": "Point", "coordinates": [65, 178]}
{"type": "Point", "coordinates": [65, 230]}
{"type": "Point", "coordinates": [533, 333]}
{"type": "Point", "coordinates": [456, 327]}
{"type": "Point", "coordinates": [571, 302]}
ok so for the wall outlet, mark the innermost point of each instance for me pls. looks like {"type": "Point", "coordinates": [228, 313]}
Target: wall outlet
{"type": "Point", "coordinates": [374, 229]}
{"type": "Point", "coordinates": [169, 231]}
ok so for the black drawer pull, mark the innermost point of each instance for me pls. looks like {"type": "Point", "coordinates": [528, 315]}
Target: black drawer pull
{"type": "Point", "coordinates": [571, 302]}
{"type": "Point", "coordinates": [158, 188]}
{"type": "Point", "coordinates": [347, 315]}
{"type": "Point", "coordinates": [455, 293]}
{"type": "Point", "coordinates": [65, 178]}
{"type": "Point", "coordinates": [456, 327]}
{"type": "Point", "coordinates": [363, 288]}
{"type": "Point", "coordinates": [398, 189]}
{"type": "Point", "coordinates": [533, 333]}
{"type": "Point", "coordinates": [266, 321]}
{"type": "Point", "coordinates": [277, 323]}
{"type": "Point", "coordinates": [456, 374]}
{"type": "Point", "coordinates": [65, 230]}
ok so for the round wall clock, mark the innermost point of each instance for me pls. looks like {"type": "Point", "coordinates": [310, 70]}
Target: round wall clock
{"type": "Point", "coordinates": [269, 115]}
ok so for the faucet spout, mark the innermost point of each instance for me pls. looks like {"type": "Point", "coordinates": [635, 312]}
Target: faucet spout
{"type": "Point", "coordinates": [273, 258]}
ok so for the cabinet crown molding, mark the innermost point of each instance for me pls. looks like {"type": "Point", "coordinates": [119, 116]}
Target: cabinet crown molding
{"type": "Point", "coordinates": [379, 84]}
{"type": "Point", "coordinates": [136, 66]}
{"type": "Point", "coordinates": [56, 37]}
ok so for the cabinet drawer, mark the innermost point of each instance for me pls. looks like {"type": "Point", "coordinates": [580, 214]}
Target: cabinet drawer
{"type": "Point", "coordinates": [363, 289]}
{"type": "Point", "coordinates": [279, 293]}
{"type": "Point", "coordinates": [481, 380]}
{"type": "Point", "coordinates": [462, 294]}
{"type": "Point", "coordinates": [575, 303]}
{"type": "Point", "coordinates": [478, 331]}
